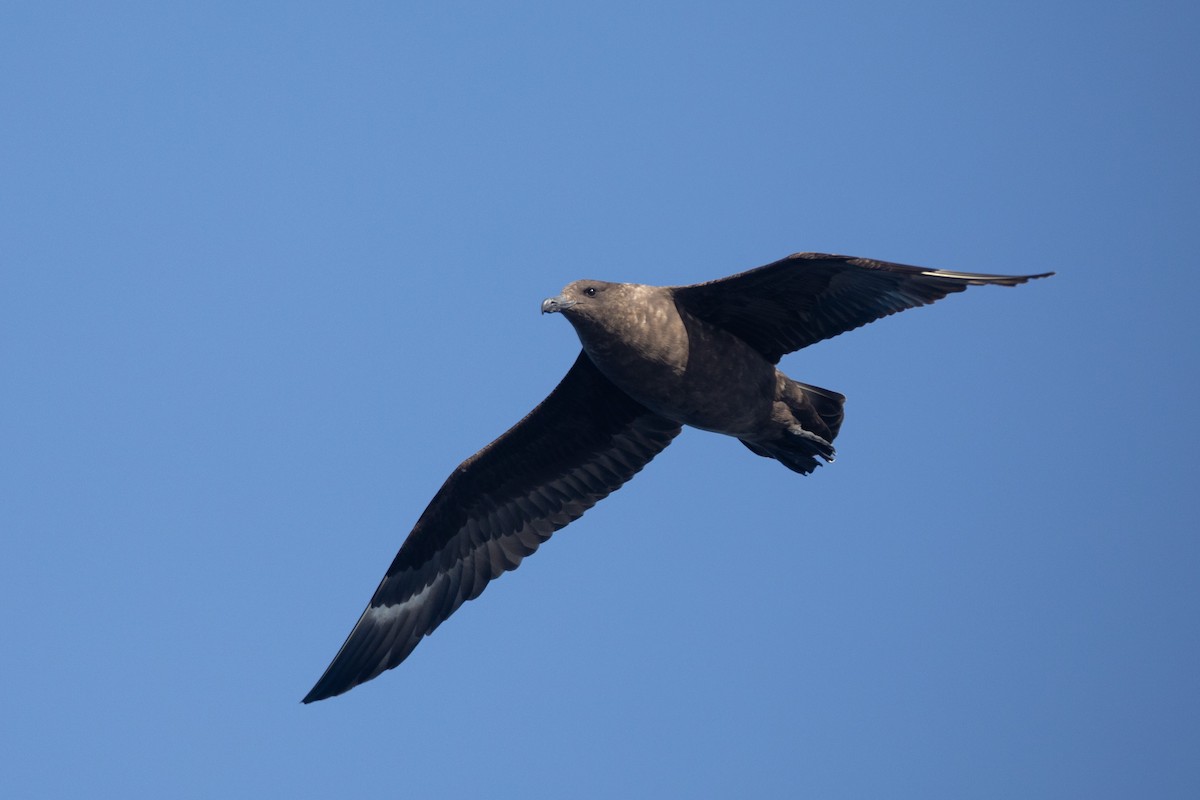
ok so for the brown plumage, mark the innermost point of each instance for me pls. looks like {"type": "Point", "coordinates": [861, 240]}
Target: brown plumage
{"type": "Point", "coordinates": [654, 359]}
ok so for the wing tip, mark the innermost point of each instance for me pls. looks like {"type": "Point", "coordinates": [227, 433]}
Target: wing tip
{"type": "Point", "coordinates": [977, 279]}
{"type": "Point", "coordinates": [970, 277]}
{"type": "Point", "coordinates": [324, 689]}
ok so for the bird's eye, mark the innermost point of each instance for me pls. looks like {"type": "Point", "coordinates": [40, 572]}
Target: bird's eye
{"type": "Point", "coordinates": [590, 291]}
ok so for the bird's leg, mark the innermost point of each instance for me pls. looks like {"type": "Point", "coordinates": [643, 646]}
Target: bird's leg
{"type": "Point", "coordinates": [823, 447]}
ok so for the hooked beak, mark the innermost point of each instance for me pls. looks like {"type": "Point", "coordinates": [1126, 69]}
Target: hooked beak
{"type": "Point", "coordinates": [552, 305]}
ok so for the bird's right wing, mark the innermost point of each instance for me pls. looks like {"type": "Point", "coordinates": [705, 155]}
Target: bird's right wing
{"type": "Point", "coordinates": [581, 443]}
{"type": "Point", "coordinates": [807, 297]}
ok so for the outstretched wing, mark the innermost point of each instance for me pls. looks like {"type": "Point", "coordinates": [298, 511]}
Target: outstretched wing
{"type": "Point", "coordinates": [581, 443]}
{"type": "Point", "coordinates": [808, 297]}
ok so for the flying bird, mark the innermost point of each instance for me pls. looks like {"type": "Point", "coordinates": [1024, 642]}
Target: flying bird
{"type": "Point", "coordinates": [654, 358]}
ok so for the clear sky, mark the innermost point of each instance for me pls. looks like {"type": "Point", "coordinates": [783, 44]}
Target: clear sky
{"type": "Point", "coordinates": [268, 272]}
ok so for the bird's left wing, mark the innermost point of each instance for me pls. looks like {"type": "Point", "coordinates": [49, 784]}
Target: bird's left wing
{"type": "Point", "coordinates": [581, 443]}
{"type": "Point", "coordinates": [807, 297]}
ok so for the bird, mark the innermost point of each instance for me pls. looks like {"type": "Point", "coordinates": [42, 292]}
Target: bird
{"type": "Point", "coordinates": [654, 359]}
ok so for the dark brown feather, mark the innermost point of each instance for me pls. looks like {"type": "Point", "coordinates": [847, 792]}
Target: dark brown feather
{"type": "Point", "coordinates": [807, 297]}
{"type": "Point", "coordinates": [694, 354]}
{"type": "Point", "coordinates": [581, 443]}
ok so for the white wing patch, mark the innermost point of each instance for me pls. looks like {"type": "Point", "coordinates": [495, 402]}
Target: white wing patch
{"type": "Point", "coordinates": [383, 615]}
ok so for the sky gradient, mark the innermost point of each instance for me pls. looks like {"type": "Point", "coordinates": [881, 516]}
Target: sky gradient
{"type": "Point", "coordinates": [269, 272]}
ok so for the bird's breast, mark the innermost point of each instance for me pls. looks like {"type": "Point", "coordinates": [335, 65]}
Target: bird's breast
{"type": "Point", "coordinates": [687, 370]}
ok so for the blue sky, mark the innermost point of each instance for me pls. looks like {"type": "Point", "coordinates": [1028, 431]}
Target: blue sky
{"type": "Point", "coordinates": [269, 272]}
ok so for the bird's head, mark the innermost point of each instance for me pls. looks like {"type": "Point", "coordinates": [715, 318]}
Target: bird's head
{"type": "Point", "coordinates": [606, 313]}
{"type": "Point", "coordinates": [597, 310]}
{"type": "Point", "coordinates": [582, 300]}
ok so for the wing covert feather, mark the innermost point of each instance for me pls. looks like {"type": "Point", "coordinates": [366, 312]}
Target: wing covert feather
{"type": "Point", "coordinates": [584, 441]}
{"type": "Point", "coordinates": [807, 297]}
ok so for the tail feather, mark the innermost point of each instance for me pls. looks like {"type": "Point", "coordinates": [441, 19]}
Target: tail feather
{"type": "Point", "coordinates": [817, 415]}
{"type": "Point", "coordinates": [827, 404]}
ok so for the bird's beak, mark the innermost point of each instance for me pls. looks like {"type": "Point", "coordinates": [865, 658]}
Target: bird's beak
{"type": "Point", "coordinates": [552, 305]}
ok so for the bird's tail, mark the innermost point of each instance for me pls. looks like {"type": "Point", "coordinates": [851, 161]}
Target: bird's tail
{"type": "Point", "coordinates": [806, 400]}
{"type": "Point", "coordinates": [818, 418]}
